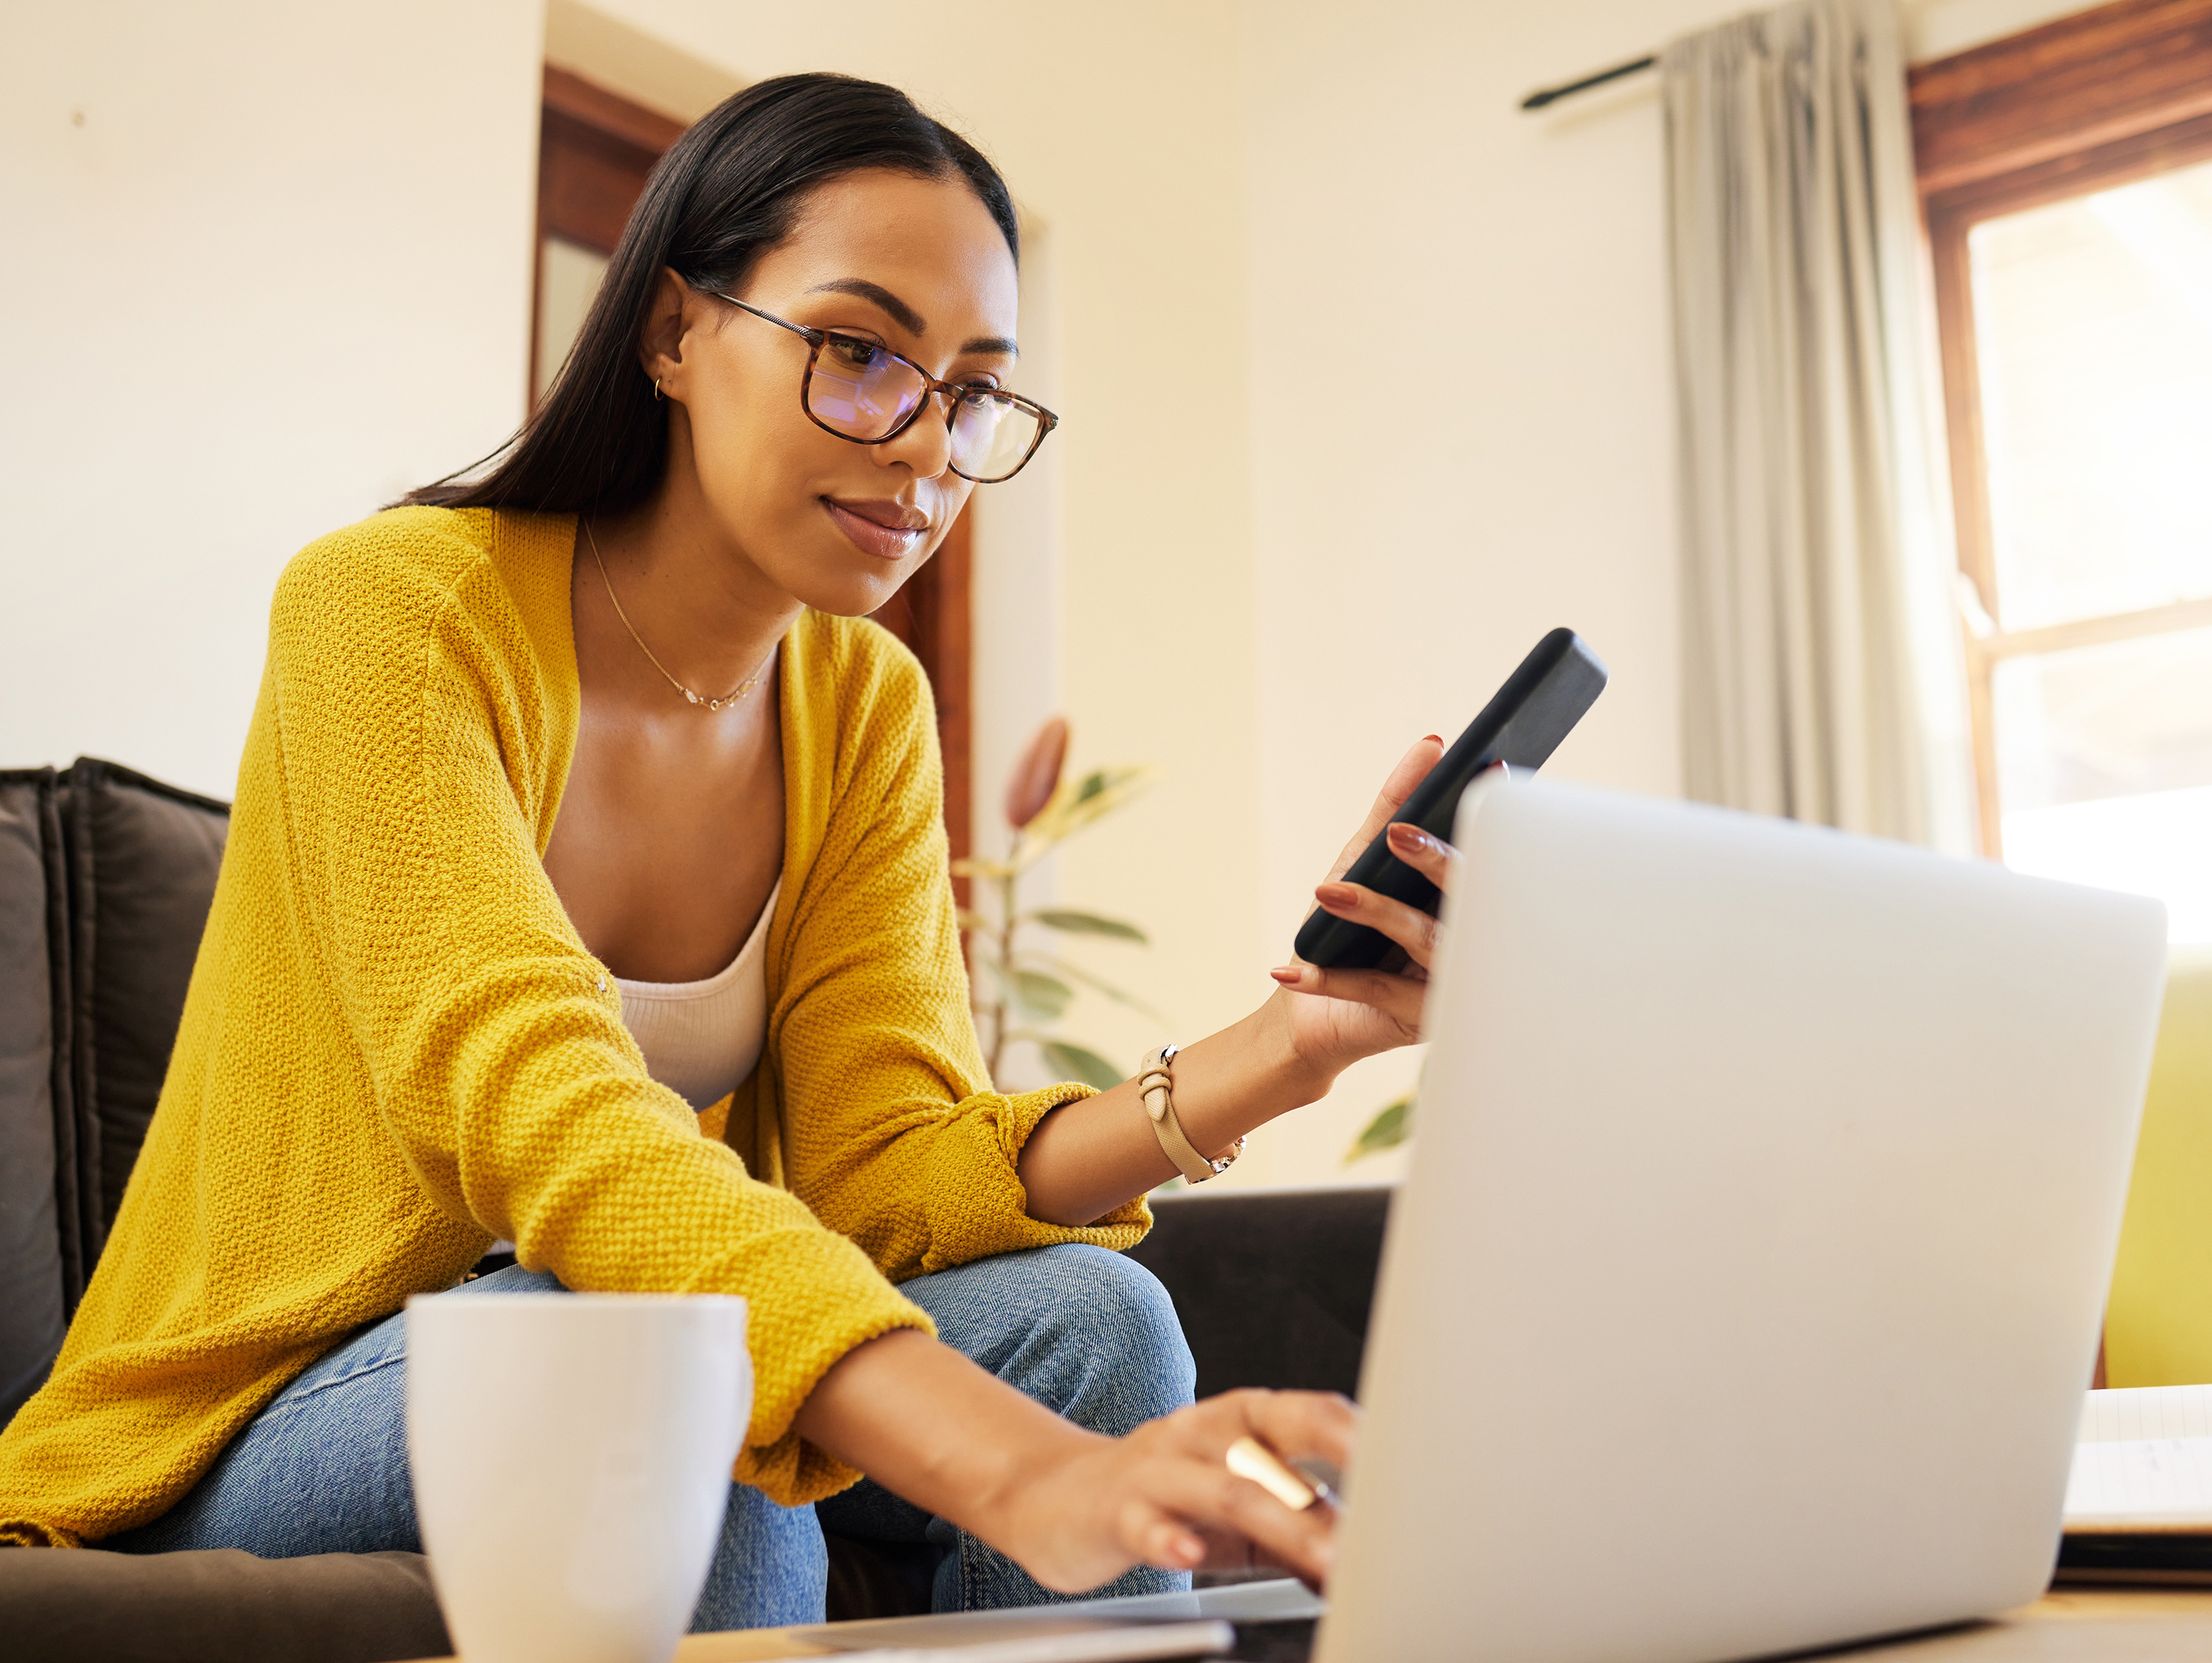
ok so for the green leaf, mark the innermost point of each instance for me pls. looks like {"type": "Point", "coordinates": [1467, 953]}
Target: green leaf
{"type": "Point", "coordinates": [1073, 807]}
{"type": "Point", "coordinates": [1039, 994]}
{"type": "Point", "coordinates": [1390, 1127]}
{"type": "Point", "coordinates": [1080, 1062]}
{"type": "Point", "coordinates": [1086, 924]}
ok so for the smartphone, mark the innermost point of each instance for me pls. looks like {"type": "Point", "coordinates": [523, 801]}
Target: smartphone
{"type": "Point", "coordinates": [1520, 727]}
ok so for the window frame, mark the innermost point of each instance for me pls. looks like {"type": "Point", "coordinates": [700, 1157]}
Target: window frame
{"type": "Point", "coordinates": [2092, 101]}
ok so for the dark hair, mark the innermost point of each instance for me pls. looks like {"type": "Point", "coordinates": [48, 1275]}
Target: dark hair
{"type": "Point", "coordinates": [725, 193]}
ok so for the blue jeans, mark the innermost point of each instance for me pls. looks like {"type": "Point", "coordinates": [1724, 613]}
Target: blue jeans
{"type": "Point", "coordinates": [323, 1469]}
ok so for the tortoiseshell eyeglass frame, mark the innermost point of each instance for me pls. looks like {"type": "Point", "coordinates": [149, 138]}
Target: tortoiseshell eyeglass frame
{"type": "Point", "coordinates": [954, 392]}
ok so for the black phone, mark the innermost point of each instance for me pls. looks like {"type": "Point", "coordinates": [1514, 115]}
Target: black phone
{"type": "Point", "coordinates": [1520, 727]}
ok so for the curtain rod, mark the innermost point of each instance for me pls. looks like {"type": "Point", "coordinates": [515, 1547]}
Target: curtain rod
{"type": "Point", "coordinates": [1538, 100]}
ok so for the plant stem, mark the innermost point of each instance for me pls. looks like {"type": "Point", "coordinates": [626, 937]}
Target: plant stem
{"type": "Point", "coordinates": [1005, 970]}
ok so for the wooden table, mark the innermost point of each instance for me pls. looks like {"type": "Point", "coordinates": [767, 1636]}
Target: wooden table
{"type": "Point", "coordinates": [2074, 1626]}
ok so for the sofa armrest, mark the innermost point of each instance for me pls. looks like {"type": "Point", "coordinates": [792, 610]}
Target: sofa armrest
{"type": "Point", "coordinates": [89, 1606]}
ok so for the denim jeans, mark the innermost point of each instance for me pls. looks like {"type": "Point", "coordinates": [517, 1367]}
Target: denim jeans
{"type": "Point", "coordinates": [323, 1469]}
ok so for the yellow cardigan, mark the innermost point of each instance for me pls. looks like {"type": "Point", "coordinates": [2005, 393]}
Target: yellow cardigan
{"type": "Point", "coordinates": [397, 1049]}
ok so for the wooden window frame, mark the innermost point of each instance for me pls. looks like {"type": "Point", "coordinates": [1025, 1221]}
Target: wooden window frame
{"type": "Point", "coordinates": [2088, 102]}
{"type": "Point", "coordinates": [595, 148]}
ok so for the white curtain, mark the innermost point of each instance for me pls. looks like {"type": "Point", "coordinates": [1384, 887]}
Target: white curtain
{"type": "Point", "coordinates": [1820, 673]}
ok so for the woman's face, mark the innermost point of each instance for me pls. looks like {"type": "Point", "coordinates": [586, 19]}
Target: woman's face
{"type": "Point", "coordinates": [916, 263]}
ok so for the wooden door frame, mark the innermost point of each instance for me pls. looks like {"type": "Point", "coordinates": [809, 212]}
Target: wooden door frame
{"type": "Point", "coordinates": [932, 614]}
{"type": "Point", "coordinates": [594, 150]}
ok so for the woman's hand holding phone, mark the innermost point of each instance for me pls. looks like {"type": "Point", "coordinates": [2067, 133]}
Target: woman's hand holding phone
{"type": "Point", "coordinates": [1339, 1016]}
{"type": "Point", "coordinates": [1088, 1158]}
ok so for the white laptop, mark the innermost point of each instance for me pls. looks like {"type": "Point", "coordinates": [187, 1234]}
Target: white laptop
{"type": "Point", "coordinates": [1749, 1276]}
{"type": "Point", "coordinates": [1748, 1279]}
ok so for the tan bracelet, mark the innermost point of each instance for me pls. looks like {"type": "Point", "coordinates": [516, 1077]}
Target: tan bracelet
{"type": "Point", "coordinates": [1156, 1086]}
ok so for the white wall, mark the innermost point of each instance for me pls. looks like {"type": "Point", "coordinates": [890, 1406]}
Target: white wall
{"type": "Point", "coordinates": [269, 265]}
{"type": "Point", "coordinates": [1937, 28]}
{"type": "Point", "coordinates": [1462, 405]}
{"type": "Point", "coordinates": [1364, 375]}
{"type": "Point", "coordinates": [641, 67]}
{"type": "Point", "coordinates": [282, 273]}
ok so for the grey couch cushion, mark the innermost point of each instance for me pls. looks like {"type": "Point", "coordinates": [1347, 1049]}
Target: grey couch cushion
{"type": "Point", "coordinates": [35, 1288]}
{"type": "Point", "coordinates": [105, 878]}
{"type": "Point", "coordinates": [142, 860]}
{"type": "Point", "coordinates": [84, 1605]}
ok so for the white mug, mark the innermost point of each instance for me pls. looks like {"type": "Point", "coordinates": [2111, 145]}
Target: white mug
{"type": "Point", "coordinates": [571, 1458]}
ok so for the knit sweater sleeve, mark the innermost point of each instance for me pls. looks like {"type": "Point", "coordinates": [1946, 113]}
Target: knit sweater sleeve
{"type": "Point", "coordinates": [891, 1131]}
{"type": "Point", "coordinates": [491, 1040]}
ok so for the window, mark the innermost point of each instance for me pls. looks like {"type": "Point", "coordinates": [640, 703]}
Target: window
{"type": "Point", "coordinates": [2067, 176]}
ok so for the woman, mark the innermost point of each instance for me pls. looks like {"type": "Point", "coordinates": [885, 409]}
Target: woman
{"type": "Point", "coordinates": [583, 787]}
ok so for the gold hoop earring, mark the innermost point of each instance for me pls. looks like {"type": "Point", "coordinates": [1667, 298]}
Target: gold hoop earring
{"type": "Point", "coordinates": [656, 388]}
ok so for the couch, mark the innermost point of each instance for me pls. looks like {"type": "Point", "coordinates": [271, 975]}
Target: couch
{"type": "Point", "coordinates": [105, 881]}
{"type": "Point", "coordinates": [105, 878]}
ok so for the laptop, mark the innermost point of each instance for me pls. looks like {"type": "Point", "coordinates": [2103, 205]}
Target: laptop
{"type": "Point", "coordinates": [1750, 1272]}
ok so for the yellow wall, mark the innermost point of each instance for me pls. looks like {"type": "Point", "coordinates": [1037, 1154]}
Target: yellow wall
{"type": "Point", "coordinates": [2158, 1328]}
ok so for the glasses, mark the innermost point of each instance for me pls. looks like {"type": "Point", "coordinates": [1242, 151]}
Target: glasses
{"type": "Point", "coordinates": [860, 390]}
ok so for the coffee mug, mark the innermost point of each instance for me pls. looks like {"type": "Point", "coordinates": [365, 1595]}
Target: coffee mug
{"type": "Point", "coordinates": [571, 1458]}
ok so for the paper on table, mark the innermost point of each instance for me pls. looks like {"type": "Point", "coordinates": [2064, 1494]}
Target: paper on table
{"type": "Point", "coordinates": [2147, 1412]}
{"type": "Point", "coordinates": [2147, 1483]}
{"type": "Point", "coordinates": [2144, 1461]}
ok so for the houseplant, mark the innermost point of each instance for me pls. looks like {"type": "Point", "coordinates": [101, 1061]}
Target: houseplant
{"type": "Point", "coordinates": [1020, 985]}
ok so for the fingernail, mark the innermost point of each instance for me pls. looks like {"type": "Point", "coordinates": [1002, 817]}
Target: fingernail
{"type": "Point", "coordinates": [1434, 738]}
{"type": "Point", "coordinates": [1335, 894]}
{"type": "Point", "coordinates": [1408, 839]}
{"type": "Point", "coordinates": [1289, 975]}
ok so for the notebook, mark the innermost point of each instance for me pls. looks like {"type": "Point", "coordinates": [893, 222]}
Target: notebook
{"type": "Point", "coordinates": [2139, 1498]}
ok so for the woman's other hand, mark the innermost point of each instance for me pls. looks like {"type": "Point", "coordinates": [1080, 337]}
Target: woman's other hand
{"type": "Point", "coordinates": [1073, 1508]}
{"type": "Point", "coordinates": [1164, 1496]}
{"type": "Point", "coordinates": [1338, 1017]}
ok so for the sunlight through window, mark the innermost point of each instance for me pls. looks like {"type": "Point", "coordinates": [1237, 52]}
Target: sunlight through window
{"type": "Point", "coordinates": [2092, 343]}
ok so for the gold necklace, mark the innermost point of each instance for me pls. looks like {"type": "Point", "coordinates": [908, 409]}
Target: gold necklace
{"type": "Point", "coordinates": [730, 698]}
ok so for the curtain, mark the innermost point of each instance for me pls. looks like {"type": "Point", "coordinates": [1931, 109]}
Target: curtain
{"type": "Point", "coordinates": [1821, 663]}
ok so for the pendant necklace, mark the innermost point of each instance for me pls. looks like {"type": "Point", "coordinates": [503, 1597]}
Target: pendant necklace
{"type": "Point", "coordinates": [729, 698]}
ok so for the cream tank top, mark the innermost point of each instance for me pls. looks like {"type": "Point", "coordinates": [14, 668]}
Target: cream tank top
{"type": "Point", "coordinates": [702, 1038]}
